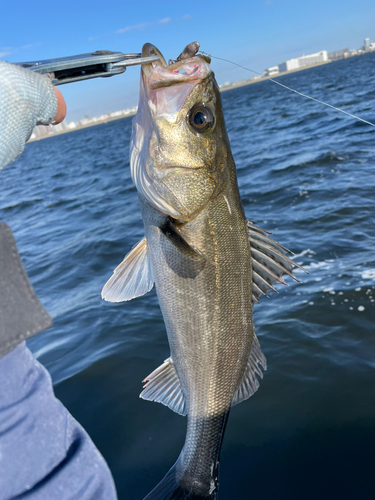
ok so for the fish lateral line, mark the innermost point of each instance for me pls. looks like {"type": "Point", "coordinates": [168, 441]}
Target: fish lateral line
{"type": "Point", "coordinates": [293, 90]}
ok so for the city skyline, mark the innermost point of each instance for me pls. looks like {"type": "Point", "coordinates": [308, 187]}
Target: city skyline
{"type": "Point", "coordinates": [256, 34]}
{"type": "Point", "coordinates": [304, 62]}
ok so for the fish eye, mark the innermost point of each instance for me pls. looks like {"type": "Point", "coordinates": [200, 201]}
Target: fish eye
{"type": "Point", "coordinates": [201, 118]}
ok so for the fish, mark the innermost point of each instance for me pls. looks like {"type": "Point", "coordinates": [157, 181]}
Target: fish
{"type": "Point", "coordinates": [209, 263]}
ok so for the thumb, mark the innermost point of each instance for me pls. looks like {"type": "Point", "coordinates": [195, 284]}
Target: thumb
{"type": "Point", "coordinates": [61, 107]}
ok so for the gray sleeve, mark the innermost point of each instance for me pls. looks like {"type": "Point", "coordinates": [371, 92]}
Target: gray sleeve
{"type": "Point", "coordinates": [21, 313]}
{"type": "Point", "coordinates": [26, 99]}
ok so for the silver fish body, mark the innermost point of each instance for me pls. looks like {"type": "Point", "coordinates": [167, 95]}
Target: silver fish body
{"type": "Point", "coordinates": [208, 262]}
{"type": "Point", "coordinates": [207, 310]}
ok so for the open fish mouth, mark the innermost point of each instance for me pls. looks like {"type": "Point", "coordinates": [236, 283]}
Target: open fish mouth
{"type": "Point", "coordinates": [159, 171]}
{"type": "Point", "coordinates": [188, 67]}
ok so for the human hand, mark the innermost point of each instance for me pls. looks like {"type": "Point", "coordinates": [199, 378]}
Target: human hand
{"type": "Point", "coordinates": [61, 107]}
{"type": "Point", "coordinates": [26, 99]}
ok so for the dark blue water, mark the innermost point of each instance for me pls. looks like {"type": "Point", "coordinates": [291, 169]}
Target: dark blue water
{"type": "Point", "coordinates": [307, 174]}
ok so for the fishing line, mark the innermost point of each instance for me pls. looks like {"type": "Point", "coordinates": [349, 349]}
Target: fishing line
{"type": "Point", "coordinates": [292, 90]}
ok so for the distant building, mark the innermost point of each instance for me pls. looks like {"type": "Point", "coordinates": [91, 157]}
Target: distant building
{"type": "Point", "coordinates": [300, 62]}
{"type": "Point", "coordinates": [366, 44]}
{"type": "Point", "coordinates": [271, 71]}
{"type": "Point", "coordinates": [60, 127]}
{"type": "Point", "coordinates": [288, 65]}
{"type": "Point", "coordinates": [115, 114]}
{"type": "Point", "coordinates": [83, 121]}
{"type": "Point", "coordinates": [39, 131]}
{"type": "Point", "coordinates": [338, 54]}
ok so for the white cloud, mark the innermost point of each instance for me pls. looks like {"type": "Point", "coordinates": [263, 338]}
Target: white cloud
{"type": "Point", "coordinates": [5, 51]}
{"type": "Point", "coordinates": [29, 46]}
{"type": "Point", "coordinates": [134, 27]}
{"type": "Point", "coordinates": [187, 16]}
{"type": "Point", "coordinates": [141, 26]}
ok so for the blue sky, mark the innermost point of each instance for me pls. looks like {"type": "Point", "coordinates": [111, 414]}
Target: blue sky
{"type": "Point", "coordinates": [255, 33]}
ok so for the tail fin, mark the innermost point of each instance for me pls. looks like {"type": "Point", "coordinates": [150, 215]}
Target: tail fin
{"type": "Point", "coordinates": [173, 487]}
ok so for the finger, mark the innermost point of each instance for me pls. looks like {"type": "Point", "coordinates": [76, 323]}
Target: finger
{"type": "Point", "coordinates": [61, 107]}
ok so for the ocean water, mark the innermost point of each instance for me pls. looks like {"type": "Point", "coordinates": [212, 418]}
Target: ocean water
{"type": "Point", "coordinates": [306, 173]}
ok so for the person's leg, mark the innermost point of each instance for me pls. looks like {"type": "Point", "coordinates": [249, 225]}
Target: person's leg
{"type": "Point", "coordinates": [44, 453]}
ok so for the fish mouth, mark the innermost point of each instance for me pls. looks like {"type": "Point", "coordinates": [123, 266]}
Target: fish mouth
{"type": "Point", "coordinates": [189, 67]}
{"type": "Point", "coordinates": [164, 89]}
{"type": "Point", "coordinates": [149, 50]}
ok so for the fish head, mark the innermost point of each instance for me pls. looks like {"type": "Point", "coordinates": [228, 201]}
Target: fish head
{"type": "Point", "coordinates": [179, 142]}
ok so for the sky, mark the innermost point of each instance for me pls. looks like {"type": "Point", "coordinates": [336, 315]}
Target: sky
{"type": "Point", "coordinates": [254, 33]}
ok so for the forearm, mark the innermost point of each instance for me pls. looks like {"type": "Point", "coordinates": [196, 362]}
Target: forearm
{"type": "Point", "coordinates": [21, 313]}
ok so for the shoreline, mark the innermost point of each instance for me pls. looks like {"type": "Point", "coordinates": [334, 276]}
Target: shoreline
{"type": "Point", "coordinates": [243, 83]}
{"type": "Point", "coordinates": [235, 85]}
{"type": "Point", "coordinates": [81, 127]}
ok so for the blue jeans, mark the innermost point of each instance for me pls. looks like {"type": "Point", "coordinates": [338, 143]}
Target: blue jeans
{"type": "Point", "coordinates": [44, 452]}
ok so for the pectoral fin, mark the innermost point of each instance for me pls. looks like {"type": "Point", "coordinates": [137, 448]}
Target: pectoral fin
{"type": "Point", "coordinates": [174, 235]}
{"type": "Point", "coordinates": [270, 262]}
{"type": "Point", "coordinates": [163, 386]}
{"type": "Point", "coordinates": [249, 382]}
{"type": "Point", "coordinates": [132, 278]}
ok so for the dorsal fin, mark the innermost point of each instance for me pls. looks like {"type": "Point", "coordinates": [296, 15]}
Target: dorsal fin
{"type": "Point", "coordinates": [163, 386]}
{"type": "Point", "coordinates": [270, 262]}
{"type": "Point", "coordinates": [249, 382]}
{"type": "Point", "coordinates": [132, 278]}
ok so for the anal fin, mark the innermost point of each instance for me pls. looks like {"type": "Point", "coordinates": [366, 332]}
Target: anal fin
{"type": "Point", "coordinates": [250, 382]}
{"type": "Point", "coordinates": [163, 386]}
{"type": "Point", "coordinates": [132, 278]}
